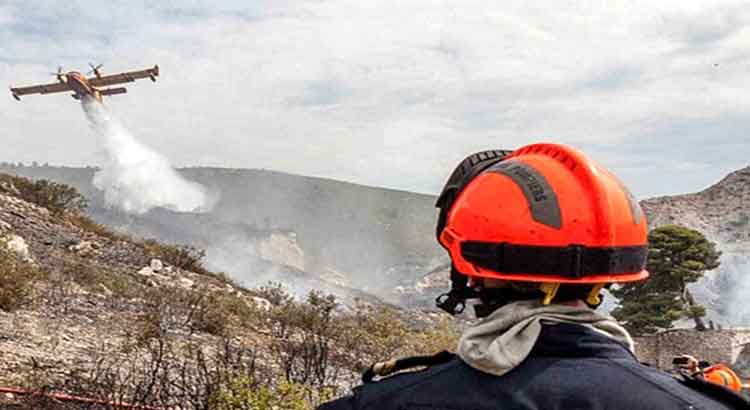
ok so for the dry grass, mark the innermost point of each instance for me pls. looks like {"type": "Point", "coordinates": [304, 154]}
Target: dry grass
{"type": "Point", "coordinates": [17, 279]}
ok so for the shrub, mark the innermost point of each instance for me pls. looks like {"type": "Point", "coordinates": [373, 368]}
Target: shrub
{"type": "Point", "coordinates": [94, 277]}
{"type": "Point", "coordinates": [442, 335]}
{"type": "Point", "coordinates": [243, 393]}
{"type": "Point", "coordinates": [17, 279]}
{"type": "Point", "coordinates": [275, 293]}
{"type": "Point", "coordinates": [54, 196]}
{"type": "Point", "coordinates": [182, 256]}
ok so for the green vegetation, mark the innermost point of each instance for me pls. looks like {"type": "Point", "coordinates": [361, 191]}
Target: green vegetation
{"type": "Point", "coordinates": [57, 198]}
{"type": "Point", "coordinates": [677, 256]}
{"type": "Point", "coordinates": [181, 256]}
{"type": "Point", "coordinates": [243, 393]}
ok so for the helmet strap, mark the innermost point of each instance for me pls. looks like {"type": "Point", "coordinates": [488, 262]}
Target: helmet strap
{"type": "Point", "coordinates": [550, 291]}
{"type": "Point", "coordinates": [454, 302]}
{"type": "Point", "coordinates": [595, 299]}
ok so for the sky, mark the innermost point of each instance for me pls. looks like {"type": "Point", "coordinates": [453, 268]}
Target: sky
{"type": "Point", "coordinates": [393, 93]}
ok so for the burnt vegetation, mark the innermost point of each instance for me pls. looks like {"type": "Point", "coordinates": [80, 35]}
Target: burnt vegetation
{"type": "Point", "coordinates": [203, 343]}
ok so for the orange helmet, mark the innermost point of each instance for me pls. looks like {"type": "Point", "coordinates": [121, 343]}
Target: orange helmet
{"type": "Point", "coordinates": [722, 375]}
{"type": "Point", "coordinates": [544, 213]}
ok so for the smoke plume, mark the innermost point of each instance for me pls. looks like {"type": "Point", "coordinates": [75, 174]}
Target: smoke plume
{"type": "Point", "coordinates": [135, 178]}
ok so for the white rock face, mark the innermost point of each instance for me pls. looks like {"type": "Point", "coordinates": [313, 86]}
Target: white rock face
{"type": "Point", "coordinates": [282, 249]}
{"type": "Point", "coordinates": [19, 246]}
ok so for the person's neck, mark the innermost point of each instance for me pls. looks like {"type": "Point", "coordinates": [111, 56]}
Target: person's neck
{"type": "Point", "coordinates": [575, 303]}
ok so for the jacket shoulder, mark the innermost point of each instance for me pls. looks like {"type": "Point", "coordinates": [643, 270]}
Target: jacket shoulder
{"type": "Point", "coordinates": [385, 392]}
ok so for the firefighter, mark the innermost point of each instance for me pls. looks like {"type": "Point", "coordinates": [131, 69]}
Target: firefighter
{"type": "Point", "coordinates": [534, 235]}
{"type": "Point", "coordinates": [718, 373]}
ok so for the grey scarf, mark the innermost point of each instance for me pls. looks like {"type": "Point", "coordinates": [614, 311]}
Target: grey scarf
{"type": "Point", "coordinates": [501, 341]}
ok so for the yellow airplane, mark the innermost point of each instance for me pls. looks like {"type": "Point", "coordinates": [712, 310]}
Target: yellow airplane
{"type": "Point", "coordinates": [82, 86]}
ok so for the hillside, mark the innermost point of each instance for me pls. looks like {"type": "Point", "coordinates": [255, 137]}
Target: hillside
{"type": "Point", "coordinates": [341, 234]}
{"type": "Point", "coordinates": [100, 314]}
{"type": "Point", "coordinates": [722, 212]}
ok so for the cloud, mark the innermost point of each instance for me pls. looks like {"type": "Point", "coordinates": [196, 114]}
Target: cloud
{"type": "Point", "coordinates": [394, 93]}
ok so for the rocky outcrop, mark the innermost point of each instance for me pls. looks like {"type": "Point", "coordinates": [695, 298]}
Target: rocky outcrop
{"type": "Point", "coordinates": [722, 213]}
{"type": "Point", "coordinates": [283, 249]}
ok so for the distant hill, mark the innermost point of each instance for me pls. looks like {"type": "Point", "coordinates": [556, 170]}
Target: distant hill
{"type": "Point", "coordinates": [722, 212]}
{"type": "Point", "coordinates": [347, 235]}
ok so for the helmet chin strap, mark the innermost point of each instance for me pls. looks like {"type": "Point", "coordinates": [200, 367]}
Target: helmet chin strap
{"type": "Point", "coordinates": [454, 302]}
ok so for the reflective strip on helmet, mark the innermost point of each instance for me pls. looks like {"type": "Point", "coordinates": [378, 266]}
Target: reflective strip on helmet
{"type": "Point", "coordinates": [541, 197]}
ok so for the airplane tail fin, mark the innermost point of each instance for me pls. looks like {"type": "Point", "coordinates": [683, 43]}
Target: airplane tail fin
{"type": "Point", "coordinates": [113, 91]}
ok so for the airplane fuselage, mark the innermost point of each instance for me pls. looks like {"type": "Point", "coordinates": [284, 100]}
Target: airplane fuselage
{"type": "Point", "coordinates": [80, 85]}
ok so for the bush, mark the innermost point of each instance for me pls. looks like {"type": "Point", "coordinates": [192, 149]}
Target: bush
{"type": "Point", "coordinates": [17, 279]}
{"type": "Point", "coordinates": [182, 256]}
{"type": "Point", "coordinates": [243, 393]}
{"type": "Point", "coordinates": [54, 196]}
{"type": "Point", "coordinates": [370, 334]}
{"type": "Point", "coordinates": [94, 277]}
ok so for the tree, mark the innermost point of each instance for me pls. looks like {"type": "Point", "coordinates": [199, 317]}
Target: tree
{"type": "Point", "coordinates": [677, 257]}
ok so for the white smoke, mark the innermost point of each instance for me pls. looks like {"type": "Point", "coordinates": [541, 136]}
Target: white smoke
{"type": "Point", "coordinates": [737, 268]}
{"type": "Point", "coordinates": [134, 177]}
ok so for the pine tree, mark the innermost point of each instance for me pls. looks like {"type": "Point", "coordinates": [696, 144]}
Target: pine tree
{"type": "Point", "coordinates": [677, 256]}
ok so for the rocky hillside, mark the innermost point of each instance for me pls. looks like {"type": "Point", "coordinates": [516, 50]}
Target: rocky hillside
{"type": "Point", "coordinates": [722, 212]}
{"type": "Point", "coordinates": [323, 234]}
{"type": "Point", "coordinates": [337, 236]}
{"type": "Point", "coordinates": [83, 286]}
{"type": "Point", "coordinates": [92, 312]}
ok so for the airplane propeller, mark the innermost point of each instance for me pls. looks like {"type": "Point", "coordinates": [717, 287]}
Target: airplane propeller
{"type": "Point", "coordinates": [95, 69]}
{"type": "Point", "coordinates": [59, 71]}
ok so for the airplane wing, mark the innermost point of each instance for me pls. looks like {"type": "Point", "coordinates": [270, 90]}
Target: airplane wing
{"type": "Point", "coordinates": [41, 89]}
{"type": "Point", "coordinates": [126, 77]}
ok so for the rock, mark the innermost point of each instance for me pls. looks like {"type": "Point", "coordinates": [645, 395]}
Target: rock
{"type": "Point", "coordinates": [282, 248]}
{"type": "Point", "coordinates": [4, 226]}
{"type": "Point", "coordinates": [156, 265]}
{"type": "Point", "coordinates": [85, 248]}
{"type": "Point", "coordinates": [146, 271]}
{"type": "Point", "coordinates": [261, 303]}
{"type": "Point", "coordinates": [19, 246]}
{"type": "Point", "coordinates": [186, 283]}
{"type": "Point", "coordinates": [9, 188]}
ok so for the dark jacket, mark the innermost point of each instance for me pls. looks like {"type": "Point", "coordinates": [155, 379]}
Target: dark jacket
{"type": "Point", "coordinates": [570, 367]}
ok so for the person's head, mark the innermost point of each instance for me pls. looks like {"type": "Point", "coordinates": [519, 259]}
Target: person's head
{"type": "Point", "coordinates": [541, 222]}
